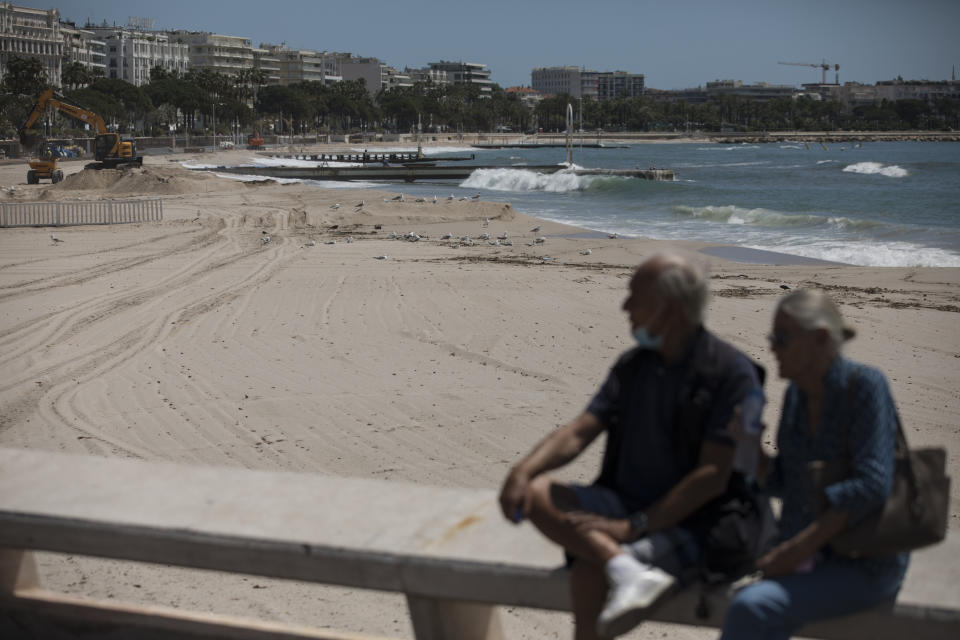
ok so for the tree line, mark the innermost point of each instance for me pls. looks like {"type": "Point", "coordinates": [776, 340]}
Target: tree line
{"type": "Point", "coordinates": [196, 100]}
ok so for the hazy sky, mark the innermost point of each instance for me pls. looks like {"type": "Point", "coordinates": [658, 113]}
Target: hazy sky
{"type": "Point", "coordinates": [676, 44]}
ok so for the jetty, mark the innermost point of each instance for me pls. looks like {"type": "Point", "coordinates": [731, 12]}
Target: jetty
{"type": "Point", "coordinates": [368, 157]}
{"type": "Point", "coordinates": [548, 145]}
{"type": "Point", "coordinates": [413, 171]}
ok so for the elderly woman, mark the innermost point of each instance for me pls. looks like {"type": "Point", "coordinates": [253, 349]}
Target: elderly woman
{"type": "Point", "coordinates": [833, 408]}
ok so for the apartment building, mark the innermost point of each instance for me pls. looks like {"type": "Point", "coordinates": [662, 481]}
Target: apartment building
{"type": "Point", "coordinates": [228, 55]}
{"type": "Point", "coordinates": [303, 65]}
{"type": "Point", "coordinates": [466, 73]}
{"type": "Point", "coordinates": [556, 81]}
{"type": "Point", "coordinates": [32, 33]}
{"type": "Point", "coordinates": [583, 83]}
{"type": "Point", "coordinates": [132, 52]}
{"type": "Point", "coordinates": [427, 75]}
{"type": "Point", "coordinates": [619, 84]}
{"type": "Point", "coordinates": [370, 70]}
{"type": "Point", "coordinates": [84, 47]}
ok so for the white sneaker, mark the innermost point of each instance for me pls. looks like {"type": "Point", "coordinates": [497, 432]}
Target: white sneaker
{"type": "Point", "coordinates": [627, 604]}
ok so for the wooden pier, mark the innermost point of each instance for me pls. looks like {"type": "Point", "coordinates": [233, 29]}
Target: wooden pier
{"type": "Point", "coordinates": [428, 171]}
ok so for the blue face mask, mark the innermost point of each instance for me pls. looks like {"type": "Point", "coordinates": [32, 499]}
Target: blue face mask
{"type": "Point", "coordinates": [645, 340]}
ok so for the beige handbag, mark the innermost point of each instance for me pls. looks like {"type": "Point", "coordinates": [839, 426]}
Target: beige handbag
{"type": "Point", "coordinates": [915, 513]}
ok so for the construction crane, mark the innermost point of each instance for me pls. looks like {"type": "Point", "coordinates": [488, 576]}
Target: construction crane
{"type": "Point", "coordinates": [824, 66]}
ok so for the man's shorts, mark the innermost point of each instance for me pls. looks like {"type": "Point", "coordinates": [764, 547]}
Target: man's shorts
{"type": "Point", "coordinates": [674, 550]}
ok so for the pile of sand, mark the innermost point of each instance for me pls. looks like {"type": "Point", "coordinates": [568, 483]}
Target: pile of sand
{"type": "Point", "coordinates": [139, 181]}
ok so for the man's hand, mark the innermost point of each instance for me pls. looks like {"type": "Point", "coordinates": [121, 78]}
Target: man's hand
{"type": "Point", "coordinates": [514, 501]}
{"type": "Point", "coordinates": [616, 528]}
{"type": "Point", "coordinates": [783, 559]}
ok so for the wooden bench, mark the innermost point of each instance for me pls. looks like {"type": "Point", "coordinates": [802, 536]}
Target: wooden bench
{"type": "Point", "coordinates": [448, 550]}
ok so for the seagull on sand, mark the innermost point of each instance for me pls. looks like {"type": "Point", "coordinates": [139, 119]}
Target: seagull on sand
{"type": "Point", "coordinates": [265, 239]}
{"type": "Point", "coordinates": [451, 197]}
{"type": "Point", "coordinates": [586, 252]}
{"type": "Point", "coordinates": [55, 239]}
{"type": "Point", "coordinates": [613, 236]}
{"type": "Point", "coordinates": [349, 239]}
{"type": "Point", "coordinates": [335, 206]}
{"type": "Point", "coordinates": [463, 198]}
{"type": "Point", "coordinates": [540, 240]}
{"type": "Point", "coordinates": [535, 229]}
{"type": "Point", "coordinates": [434, 198]}
{"type": "Point", "coordinates": [359, 205]}
{"type": "Point", "coordinates": [310, 243]}
{"type": "Point", "coordinates": [420, 200]}
{"type": "Point", "coordinates": [383, 257]}
{"type": "Point", "coordinates": [502, 236]}
{"type": "Point", "coordinates": [476, 197]}
{"type": "Point", "coordinates": [398, 198]}
{"type": "Point", "coordinates": [446, 236]}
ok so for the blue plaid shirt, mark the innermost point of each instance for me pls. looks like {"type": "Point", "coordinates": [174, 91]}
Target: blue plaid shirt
{"type": "Point", "coordinates": [869, 436]}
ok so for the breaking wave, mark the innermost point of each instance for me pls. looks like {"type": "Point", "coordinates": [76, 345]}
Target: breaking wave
{"type": "Point", "coordinates": [870, 168]}
{"type": "Point", "coordinates": [873, 254]}
{"type": "Point", "coordinates": [769, 218]}
{"type": "Point", "coordinates": [525, 180]}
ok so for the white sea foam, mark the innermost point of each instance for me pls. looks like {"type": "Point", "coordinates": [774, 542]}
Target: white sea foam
{"type": "Point", "coordinates": [870, 168]}
{"type": "Point", "coordinates": [187, 165]}
{"type": "Point", "coordinates": [251, 178]}
{"type": "Point", "coordinates": [525, 180]}
{"type": "Point", "coordinates": [873, 254]}
{"type": "Point", "coordinates": [326, 184]}
{"type": "Point", "coordinates": [791, 146]}
{"type": "Point", "coordinates": [826, 161]}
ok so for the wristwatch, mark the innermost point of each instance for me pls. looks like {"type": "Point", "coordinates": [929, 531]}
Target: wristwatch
{"type": "Point", "coordinates": [638, 524]}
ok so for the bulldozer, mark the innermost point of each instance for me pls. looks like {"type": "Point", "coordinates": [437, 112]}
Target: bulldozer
{"type": "Point", "coordinates": [109, 149]}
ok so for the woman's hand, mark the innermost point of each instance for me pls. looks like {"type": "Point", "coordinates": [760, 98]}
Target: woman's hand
{"type": "Point", "coordinates": [616, 528]}
{"type": "Point", "coordinates": [783, 559]}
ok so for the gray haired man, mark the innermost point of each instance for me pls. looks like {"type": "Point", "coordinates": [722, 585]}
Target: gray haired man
{"type": "Point", "coordinates": [665, 408]}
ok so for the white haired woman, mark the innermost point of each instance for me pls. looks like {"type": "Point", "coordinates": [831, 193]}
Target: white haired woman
{"type": "Point", "coordinates": [833, 407]}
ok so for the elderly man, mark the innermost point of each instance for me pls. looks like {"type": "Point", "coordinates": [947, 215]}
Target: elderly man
{"type": "Point", "coordinates": [665, 407]}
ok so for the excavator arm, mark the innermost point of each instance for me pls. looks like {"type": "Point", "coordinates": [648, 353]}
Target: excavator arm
{"type": "Point", "coordinates": [49, 99]}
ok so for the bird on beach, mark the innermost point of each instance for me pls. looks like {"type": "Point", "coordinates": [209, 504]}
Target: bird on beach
{"type": "Point", "coordinates": [446, 236]}
{"type": "Point", "coordinates": [310, 243]}
{"type": "Point", "coordinates": [349, 239]}
{"type": "Point", "coordinates": [476, 197]}
{"type": "Point", "coordinates": [540, 240]}
{"type": "Point", "coordinates": [535, 229]}
{"type": "Point", "coordinates": [359, 205]}
{"type": "Point", "coordinates": [386, 200]}
{"type": "Point", "coordinates": [55, 239]}
{"type": "Point", "coordinates": [265, 239]}
{"type": "Point", "coordinates": [613, 236]}
{"type": "Point", "coordinates": [483, 236]}
{"type": "Point", "coordinates": [451, 197]}
{"type": "Point", "coordinates": [502, 236]}
{"type": "Point", "coordinates": [586, 252]}
{"type": "Point", "coordinates": [398, 198]}
{"type": "Point", "coordinates": [486, 222]}
{"type": "Point", "coordinates": [463, 198]}
{"type": "Point", "coordinates": [420, 200]}
{"type": "Point", "coordinates": [383, 257]}
{"type": "Point", "coordinates": [335, 206]}
{"type": "Point", "coordinates": [434, 198]}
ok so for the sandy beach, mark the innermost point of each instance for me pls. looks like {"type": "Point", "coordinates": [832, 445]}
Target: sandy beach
{"type": "Point", "coordinates": [192, 340]}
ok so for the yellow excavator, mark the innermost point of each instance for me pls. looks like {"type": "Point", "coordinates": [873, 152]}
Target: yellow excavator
{"type": "Point", "coordinates": [109, 149]}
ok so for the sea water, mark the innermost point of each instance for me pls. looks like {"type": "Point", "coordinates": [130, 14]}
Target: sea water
{"type": "Point", "coordinates": [879, 204]}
